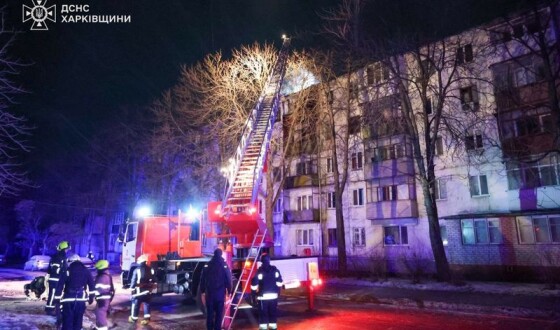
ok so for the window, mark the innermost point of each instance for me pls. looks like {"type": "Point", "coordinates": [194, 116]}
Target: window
{"type": "Point", "coordinates": [481, 231]}
{"type": "Point", "coordinates": [277, 206]}
{"type": "Point", "coordinates": [478, 185]}
{"type": "Point", "coordinates": [393, 151]}
{"type": "Point", "coordinates": [474, 141]}
{"type": "Point", "coordinates": [359, 236]}
{"type": "Point", "coordinates": [469, 98]}
{"type": "Point", "coordinates": [440, 189]}
{"type": "Point", "coordinates": [428, 106]}
{"type": "Point", "coordinates": [304, 168]}
{"type": "Point", "coordinates": [331, 204]}
{"type": "Point", "coordinates": [276, 173]}
{"type": "Point", "coordinates": [439, 146]}
{"type": "Point", "coordinates": [354, 125]}
{"type": "Point", "coordinates": [528, 71]}
{"type": "Point", "coordinates": [330, 165]}
{"type": "Point", "coordinates": [353, 90]}
{"type": "Point", "coordinates": [357, 161]}
{"type": "Point", "coordinates": [539, 229]}
{"type": "Point", "coordinates": [304, 203]}
{"type": "Point", "coordinates": [376, 74]}
{"type": "Point", "coordinates": [358, 197]}
{"type": "Point", "coordinates": [545, 172]}
{"type": "Point", "coordinates": [304, 237]}
{"type": "Point", "coordinates": [333, 242]}
{"type": "Point", "coordinates": [260, 206]}
{"type": "Point", "coordinates": [464, 54]}
{"type": "Point", "coordinates": [443, 234]}
{"type": "Point", "coordinates": [395, 235]}
{"type": "Point", "coordinates": [387, 193]}
{"type": "Point", "coordinates": [277, 238]}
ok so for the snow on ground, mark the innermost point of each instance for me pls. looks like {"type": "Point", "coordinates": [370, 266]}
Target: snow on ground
{"type": "Point", "coordinates": [486, 287]}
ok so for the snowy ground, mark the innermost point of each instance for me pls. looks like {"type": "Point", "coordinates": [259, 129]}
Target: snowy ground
{"type": "Point", "coordinates": [17, 312]}
{"type": "Point", "coordinates": [530, 289]}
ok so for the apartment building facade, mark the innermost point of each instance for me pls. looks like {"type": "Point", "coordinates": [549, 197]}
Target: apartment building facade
{"type": "Point", "coordinates": [497, 169]}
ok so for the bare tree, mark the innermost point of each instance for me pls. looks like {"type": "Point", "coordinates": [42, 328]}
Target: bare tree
{"type": "Point", "coordinates": [33, 226]}
{"type": "Point", "coordinates": [425, 88]}
{"type": "Point", "coordinates": [13, 129]}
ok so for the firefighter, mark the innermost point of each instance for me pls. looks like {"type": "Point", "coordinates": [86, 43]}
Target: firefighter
{"type": "Point", "coordinates": [57, 266]}
{"type": "Point", "coordinates": [214, 283]}
{"type": "Point", "coordinates": [104, 293]}
{"type": "Point", "coordinates": [266, 284]}
{"type": "Point", "coordinates": [73, 289]}
{"type": "Point", "coordinates": [141, 285]}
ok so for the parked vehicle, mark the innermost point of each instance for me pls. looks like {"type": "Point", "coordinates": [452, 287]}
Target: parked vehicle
{"type": "Point", "coordinates": [37, 262]}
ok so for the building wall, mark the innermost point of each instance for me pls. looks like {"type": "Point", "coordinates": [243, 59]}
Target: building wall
{"type": "Point", "coordinates": [455, 167]}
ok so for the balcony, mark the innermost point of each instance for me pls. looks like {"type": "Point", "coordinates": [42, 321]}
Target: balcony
{"type": "Point", "coordinates": [405, 208]}
{"type": "Point", "coordinates": [304, 216]}
{"type": "Point", "coordinates": [389, 168]}
{"type": "Point", "coordinates": [524, 95]}
{"type": "Point", "coordinates": [523, 146]}
{"type": "Point", "coordinates": [299, 181]}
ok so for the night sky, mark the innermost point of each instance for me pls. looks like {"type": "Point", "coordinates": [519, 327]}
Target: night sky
{"type": "Point", "coordinates": [78, 74]}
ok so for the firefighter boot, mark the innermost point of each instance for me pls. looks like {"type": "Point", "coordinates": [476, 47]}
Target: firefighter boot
{"type": "Point", "coordinates": [131, 320]}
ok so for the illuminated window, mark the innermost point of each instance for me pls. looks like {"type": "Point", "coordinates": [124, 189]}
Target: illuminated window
{"type": "Point", "coordinates": [376, 74]}
{"type": "Point", "coordinates": [481, 231]}
{"type": "Point", "coordinates": [539, 229]}
{"type": "Point", "coordinates": [395, 235]}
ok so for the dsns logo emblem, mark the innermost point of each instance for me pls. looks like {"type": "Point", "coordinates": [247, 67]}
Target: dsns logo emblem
{"type": "Point", "coordinates": [40, 14]}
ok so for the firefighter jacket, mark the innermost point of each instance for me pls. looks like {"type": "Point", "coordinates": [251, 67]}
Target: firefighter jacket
{"type": "Point", "coordinates": [57, 265]}
{"type": "Point", "coordinates": [104, 289]}
{"type": "Point", "coordinates": [142, 280]}
{"type": "Point", "coordinates": [216, 279]}
{"type": "Point", "coordinates": [267, 282]}
{"type": "Point", "coordinates": [75, 284]}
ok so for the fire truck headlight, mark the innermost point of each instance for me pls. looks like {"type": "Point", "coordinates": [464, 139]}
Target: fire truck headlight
{"type": "Point", "coordinates": [187, 276]}
{"type": "Point", "coordinates": [143, 211]}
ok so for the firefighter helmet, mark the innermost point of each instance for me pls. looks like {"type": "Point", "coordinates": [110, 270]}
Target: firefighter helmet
{"type": "Point", "coordinates": [73, 258]}
{"type": "Point", "coordinates": [142, 258]}
{"type": "Point", "coordinates": [63, 245]}
{"type": "Point", "coordinates": [102, 264]}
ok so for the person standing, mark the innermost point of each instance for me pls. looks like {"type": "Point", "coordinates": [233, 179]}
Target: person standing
{"type": "Point", "coordinates": [73, 289]}
{"type": "Point", "coordinates": [141, 285]}
{"type": "Point", "coordinates": [57, 266]}
{"type": "Point", "coordinates": [104, 292]}
{"type": "Point", "coordinates": [266, 284]}
{"type": "Point", "coordinates": [215, 282]}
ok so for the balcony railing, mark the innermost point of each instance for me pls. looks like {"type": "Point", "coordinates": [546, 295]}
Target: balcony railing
{"type": "Point", "coordinates": [389, 168]}
{"type": "Point", "coordinates": [312, 215]}
{"type": "Point", "coordinates": [518, 96]}
{"type": "Point", "coordinates": [406, 208]}
{"type": "Point", "coordinates": [298, 181]}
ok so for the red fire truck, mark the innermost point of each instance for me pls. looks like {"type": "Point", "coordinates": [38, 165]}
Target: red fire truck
{"type": "Point", "coordinates": [173, 244]}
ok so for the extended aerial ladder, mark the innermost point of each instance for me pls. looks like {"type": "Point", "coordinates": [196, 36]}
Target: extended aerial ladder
{"type": "Point", "coordinates": [238, 209]}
